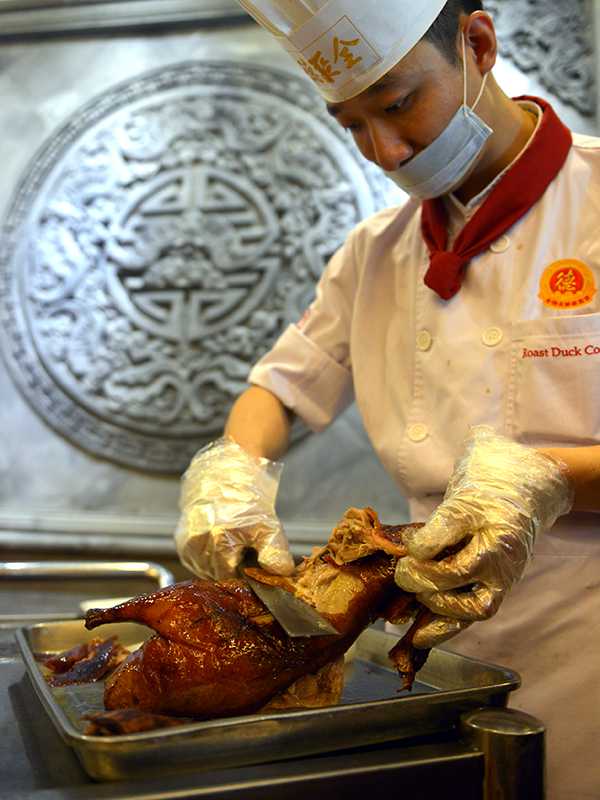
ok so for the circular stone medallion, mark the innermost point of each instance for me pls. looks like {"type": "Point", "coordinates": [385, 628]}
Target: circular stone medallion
{"type": "Point", "coordinates": [160, 242]}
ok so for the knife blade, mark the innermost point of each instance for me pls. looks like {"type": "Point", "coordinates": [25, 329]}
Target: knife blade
{"type": "Point", "coordinates": [296, 617]}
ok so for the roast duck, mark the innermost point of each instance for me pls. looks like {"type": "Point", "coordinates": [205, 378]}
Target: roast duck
{"type": "Point", "coordinates": [218, 652]}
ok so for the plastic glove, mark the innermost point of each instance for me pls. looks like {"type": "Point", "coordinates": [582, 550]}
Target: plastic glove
{"type": "Point", "coordinates": [500, 497]}
{"type": "Point", "coordinates": [228, 503]}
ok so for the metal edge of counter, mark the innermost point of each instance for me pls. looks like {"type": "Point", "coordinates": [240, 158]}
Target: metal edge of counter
{"type": "Point", "coordinates": [33, 19]}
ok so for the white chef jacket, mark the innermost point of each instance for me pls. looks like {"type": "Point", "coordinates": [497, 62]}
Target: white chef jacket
{"type": "Point", "coordinates": [422, 370]}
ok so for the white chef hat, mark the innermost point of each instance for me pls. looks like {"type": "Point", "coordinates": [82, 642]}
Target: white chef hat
{"type": "Point", "coordinates": [345, 45]}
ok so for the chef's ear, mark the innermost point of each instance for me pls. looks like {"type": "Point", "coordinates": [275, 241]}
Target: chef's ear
{"type": "Point", "coordinates": [480, 40]}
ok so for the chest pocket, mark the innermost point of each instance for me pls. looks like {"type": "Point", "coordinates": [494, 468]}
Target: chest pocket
{"type": "Point", "coordinates": [554, 382]}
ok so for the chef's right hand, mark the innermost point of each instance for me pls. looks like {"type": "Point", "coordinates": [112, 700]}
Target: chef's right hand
{"type": "Point", "coordinates": [502, 495]}
{"type": "Point", "coordinates": [227, 504]}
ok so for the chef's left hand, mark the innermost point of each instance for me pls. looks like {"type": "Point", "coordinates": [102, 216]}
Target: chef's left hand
{"type": "Point", "coordinates": [501, 496]}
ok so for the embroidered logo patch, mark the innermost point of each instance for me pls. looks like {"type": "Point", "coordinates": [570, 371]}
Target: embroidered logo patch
{"type": "Point", "coordinates": [567, 283]}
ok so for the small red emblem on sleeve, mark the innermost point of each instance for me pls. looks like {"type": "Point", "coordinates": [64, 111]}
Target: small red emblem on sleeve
{"type": "Point", "coordinates": [303, 319]}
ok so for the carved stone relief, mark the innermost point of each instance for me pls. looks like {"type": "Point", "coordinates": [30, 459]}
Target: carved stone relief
{"type": "Point", "coordinates": [552, 40]}
{"type": "Point", "coordinates": [160, 242]}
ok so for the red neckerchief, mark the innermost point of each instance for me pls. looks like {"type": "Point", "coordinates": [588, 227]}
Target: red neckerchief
{"type": "Point", "coordinates": [521, 187]}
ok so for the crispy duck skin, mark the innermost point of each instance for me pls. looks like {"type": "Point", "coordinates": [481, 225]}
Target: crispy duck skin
{"type": "Point", "coordinates": [66, 660]}
{"type": "Point", "coordinates": [218, 652]}
{"type": "Point", "coordinates": [85, 663]}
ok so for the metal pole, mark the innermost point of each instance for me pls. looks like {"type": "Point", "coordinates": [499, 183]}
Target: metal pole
{"type": "Point", "coordinates": [513, 744]}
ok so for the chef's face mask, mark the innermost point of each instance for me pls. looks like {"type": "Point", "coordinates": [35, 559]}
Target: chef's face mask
{"type": "Point", "coordinates": [443, 164]}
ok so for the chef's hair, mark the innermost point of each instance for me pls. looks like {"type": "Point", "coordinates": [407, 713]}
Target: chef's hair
{"type": "Point", "coordinates": [444, 32]}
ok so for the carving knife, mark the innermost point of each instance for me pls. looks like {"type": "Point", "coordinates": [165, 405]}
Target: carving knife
{"type": "Point", "coordinates": [295, 616]}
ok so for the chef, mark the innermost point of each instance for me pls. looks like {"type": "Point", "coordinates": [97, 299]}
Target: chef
{"type": "Point", "coordinates": [466, 326]}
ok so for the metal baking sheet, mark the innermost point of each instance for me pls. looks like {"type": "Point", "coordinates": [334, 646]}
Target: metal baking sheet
{"type": "Point", "coordinates": [371, 711]}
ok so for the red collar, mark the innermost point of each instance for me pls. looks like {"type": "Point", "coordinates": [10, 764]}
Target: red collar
{"type": "Point", "coordinates": [522, 186]}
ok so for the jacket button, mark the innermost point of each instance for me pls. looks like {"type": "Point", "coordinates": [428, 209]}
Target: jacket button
{"type": "Point", "coordinates": [417, 432]}
{"type": "Point", "coordinates": [492, 337]}
{"type": "Point", "coordinates": [424, 340]}
{"type": "Point", "coordinates": [500, 245]}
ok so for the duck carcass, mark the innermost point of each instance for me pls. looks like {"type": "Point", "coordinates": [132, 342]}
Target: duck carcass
{"type": "Point", "coordinates": [217, 651]}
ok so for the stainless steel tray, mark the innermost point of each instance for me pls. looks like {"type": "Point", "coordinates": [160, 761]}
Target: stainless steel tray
{"type": "Point", "coordinates": [371, 710]}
